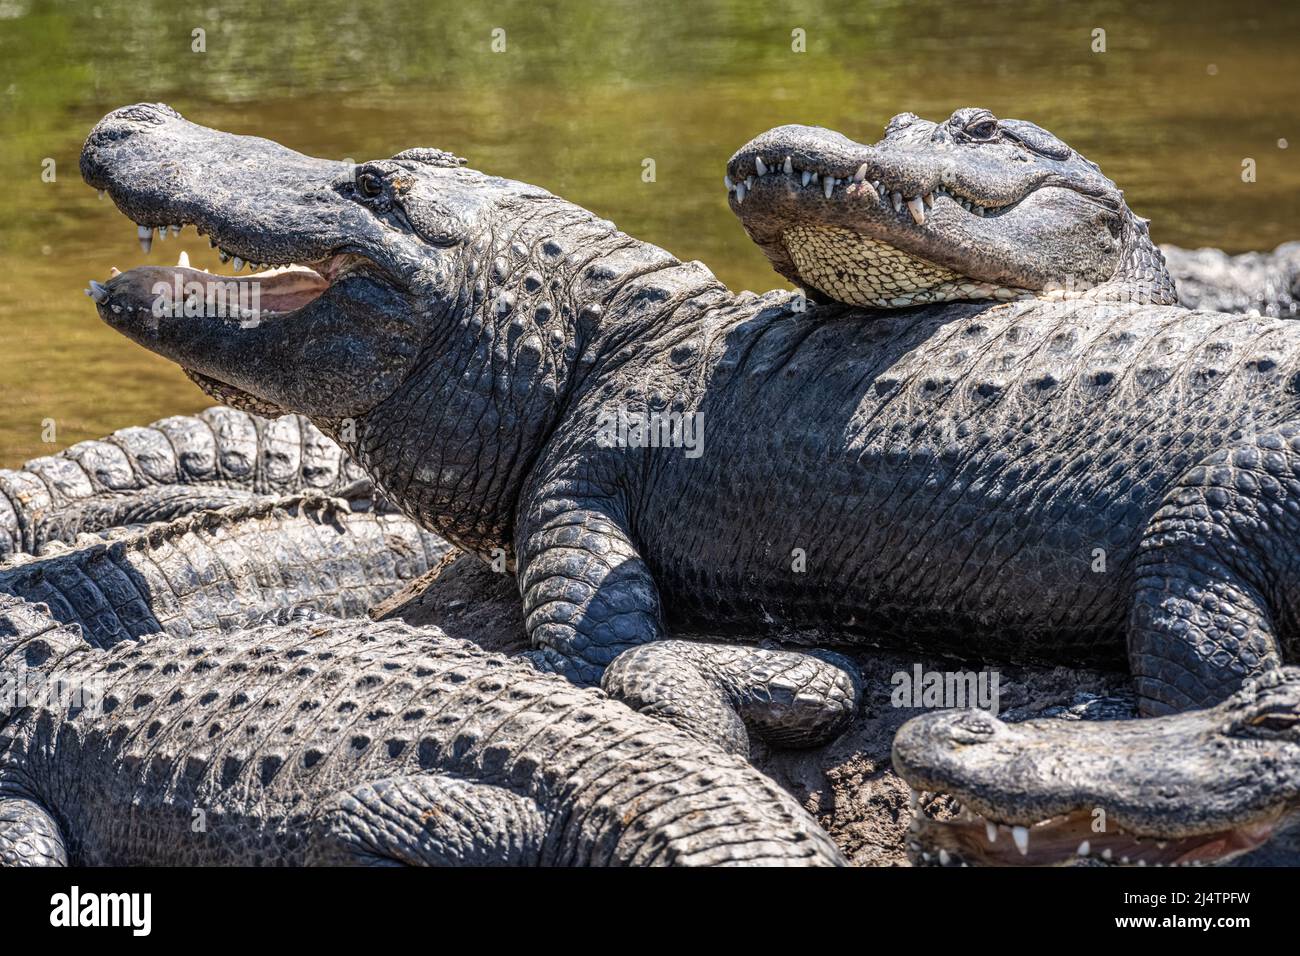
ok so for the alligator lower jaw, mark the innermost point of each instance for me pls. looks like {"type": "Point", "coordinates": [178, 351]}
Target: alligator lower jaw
{"type": "Point", "coordinates": [1070, 839]}
{"type": "Point", "coordinates": [867, 272]}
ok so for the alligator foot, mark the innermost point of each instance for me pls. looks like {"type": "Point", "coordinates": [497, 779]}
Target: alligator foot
{"type": "Point", "coordinates": [429, 820]}
{"type": "Point", "coordinates": [28, 835]}
{"type": "Point", "coordinates": [721, 692]}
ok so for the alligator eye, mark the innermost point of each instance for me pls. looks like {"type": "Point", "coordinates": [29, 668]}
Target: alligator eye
{"type": "Point", "coordinates": [1278, 722]}
{"type": "Point", "coordinates": [984, 129]}
{"type": "Point", "coordinates": [370, 185]}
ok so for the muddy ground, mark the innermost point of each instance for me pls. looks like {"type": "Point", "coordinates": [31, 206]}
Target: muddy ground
{"type": "Point", "coordinates": [849, 784]}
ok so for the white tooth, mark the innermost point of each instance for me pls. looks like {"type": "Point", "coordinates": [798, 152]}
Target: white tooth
{"type": "Point", "coordinates": [1107, 853]}
{"type": "Point", "coordinates": [183, 260]}
{"type": "Point", "coordinates": [991, 831]}
{"type": "Point", "coordinates": [828, 184]}
{"type": "Point", "coordinates": [944, 858]}
{"type": "Point", "coordinates": [162, 233]}
{"type": "Point", "coordinates": [816, 176]}
{"type": "Point", "coordinates": [97, 291]}
{"type": "Point", "coordinates": [979, 211]}
{"type": "Point", "coordinates": [807, 177]}
{"type": "Point", "coordinates": [928, 199]}
{"type": "Point", "coordinates": [1123, 860]}
{"type": "Point", "coordinates": [898, 202]}
{"type": "Point", "coordinates": [913, 799]}
{"type": "Point", "coordinates": [1021, 837]}
{"type": "Point", "coordinates": [146, 237]}
{"type": "Point", "coordinates": [788, 167]}
{"type": "Point", "coordinates": [114, 272]}
{"type": "Point", "coordinates": [176, 229]}
{"type": "Point", "coordinates": [861, 174]}
{"type": "Point", "coordinates": [237, 263]}
{"type": "Point", "coordinates": [749, 182]}
{"type": "Point", "coordinates": [740, 193]}
{"type": "Point", "coordinates": [101, 192]}
{"type": "Point", "coordinates": [759, 165]}
{"type": "Point", "coordinates": [726, 181]}
{"type": "Point", "coordinates": [1084, 848]}
{"type": "Point", "coordinates": [917, 208]}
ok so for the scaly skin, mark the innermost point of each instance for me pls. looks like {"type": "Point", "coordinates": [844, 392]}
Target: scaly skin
{"type": "Point", "coordinates": [1267, 282]}
{"type": "Point", "coordinates": [348, 742]}
{"type": "Point", "coordinates": [1203, 785]}
{"type": "Point", "coordinates": [1062, 481]}
{"type": "Point", "coordinates": [172, 467]}
{"type": "Point", "coordinates": [217, 572]}
{"type": "Point", "coordinates": [967, 209]}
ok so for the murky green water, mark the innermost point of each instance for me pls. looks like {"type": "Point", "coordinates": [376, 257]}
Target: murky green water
{"type": "Point", "coordinates": [582, 94]}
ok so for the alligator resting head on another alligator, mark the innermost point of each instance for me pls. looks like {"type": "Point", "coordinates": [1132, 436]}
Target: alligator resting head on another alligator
{"type": "Point", "coordinates": [1197, 787]}
{"type": "Point", "coordinates": [974, 207]}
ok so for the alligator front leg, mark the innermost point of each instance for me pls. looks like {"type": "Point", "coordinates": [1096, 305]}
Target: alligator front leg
{"type": "Point", "coordinates": [29, 836]}
{"type": "Point", "coordinates": [429, 820]}
{"type": "Point", "coordinates": [590, 603]}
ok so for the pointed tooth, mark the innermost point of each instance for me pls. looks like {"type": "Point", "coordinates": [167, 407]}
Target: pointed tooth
{"type": "Point", "coordinates": [1020, 835]}
{"type": "Point", "coordinates": [146, 237]}
{"type": "Point", "coordinates": [787, 167]}
{"type": "Point", "coordinates": [944, 858]}
{"type": "Point", "coordinates": [740, 193]}
{"type": "Point", "coordinates": [913, 799]}
{"type": "Point", "coordinates": [162, 233]}
{"type": "Point", "coordinates": [917, 209]}
{"type": "Point", "coordinates": [928, 199]}
{"type": "Point", "coordinates": [991, 831]}
{"type": "Point", "coordinates": [237, 263]}
{"type": "Point", "coordinates": [114, 272]}
{"type": "Point", "coordinates": [726, 181]}
{"type": "Point", "coordinates": [760, 165]}
{"type": "Point", "coordinates": [97, 292]}
{"type": "Point", "coordinates": [806, 178]}
{"type": "Point", "coordinates": [828, 184]}
{"type": "Point", "coordinates": [861, 174]}
{"type": "Point", "coordinates": [183, 260]}
{"type": "Point", "coordinates": [1107, 853]}
{"type": "Point", "coordinates": [1084, 848]}
{"type": "Point", "coordinates": [102, 193]}
{"type": "Point", "coordinates": [979, 211]}
{"type": "Point", "coordinates": [897, 198]}
{"type": "Point", "coordinates": [749, 182]}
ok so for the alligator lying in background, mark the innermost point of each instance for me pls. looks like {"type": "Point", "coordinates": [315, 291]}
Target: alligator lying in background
{"type": "Point", "coordinates": [1267, 282]}
{"type": "Point", "coordinates": [175, 466]}
{"type": "Point", "coordinates": [333, 741]}
{"type": "Point", "coordinates": [217, 572]}
{"type": "Point", "coordinates": [1204, 785]}
{"type": "Point", "coordinates": [1040, 480]}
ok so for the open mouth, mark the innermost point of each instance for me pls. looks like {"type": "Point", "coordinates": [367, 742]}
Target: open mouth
{"type": "Point", "coordinates": [270, 288]}
{"type": "Point", "coordinates": [1074, 838]}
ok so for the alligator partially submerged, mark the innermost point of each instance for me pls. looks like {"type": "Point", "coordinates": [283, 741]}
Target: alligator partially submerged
{"type": "Point", "coordinates": [335, 742]}
{"type": "Point", "coordinates": [1063, 481]}
{"type": "Point", "coordinates": [1201, 786]}
{"type": "Point", "coordinates": [175, 466]}
{"type": "Point", "coordinates": [1265, 282]}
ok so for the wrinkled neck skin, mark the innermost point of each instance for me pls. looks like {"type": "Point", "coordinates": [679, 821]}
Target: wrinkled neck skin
{"type": "Point", "coordinates": [526, 311]}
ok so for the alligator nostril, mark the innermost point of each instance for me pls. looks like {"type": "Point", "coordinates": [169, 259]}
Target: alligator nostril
{"type": "Point", "coordinates": [973, 728]}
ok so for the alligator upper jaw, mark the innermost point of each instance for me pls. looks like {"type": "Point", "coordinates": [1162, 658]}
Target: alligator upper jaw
{"type": "Point", "coordinates": [1072, 838]}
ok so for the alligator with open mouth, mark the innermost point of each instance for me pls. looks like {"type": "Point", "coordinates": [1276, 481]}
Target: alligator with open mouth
{"type": "Point", "coordinates": [1089, 476]}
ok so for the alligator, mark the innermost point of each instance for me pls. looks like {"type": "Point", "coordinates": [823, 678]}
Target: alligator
{"type": "Point", "coordinates": [1072, 480]}
{"type": "Point", "coordinates": [217, 572]}
{"type": "Point", "coordinates": [1201, 786]}
{"type": "Point", "coordinates": [973, 208]}
{"type": "Point", "coordinates": [351, 742]}
{"type": "Point", "coordinates": [1267, 282]}
{"type": "Point", "coordinates": [175, 466]}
